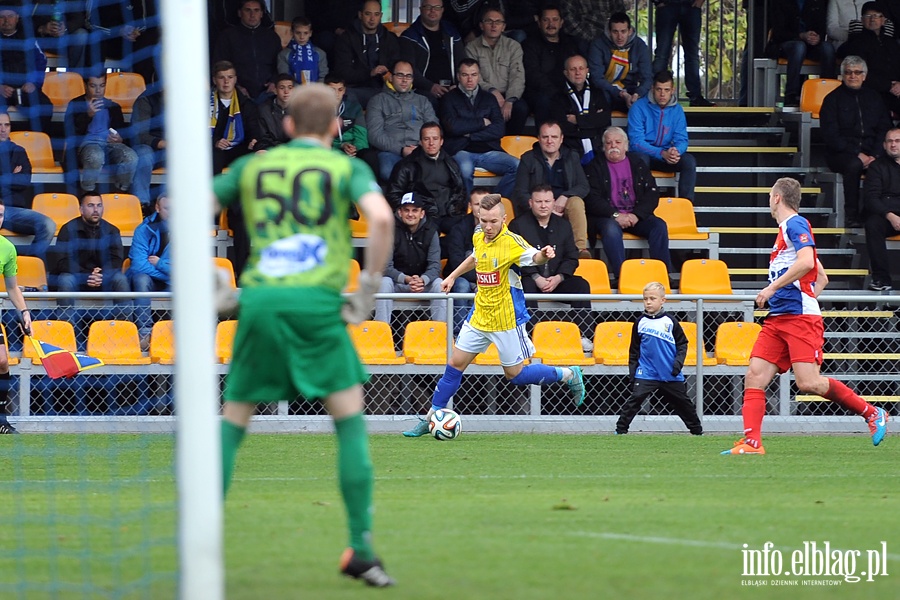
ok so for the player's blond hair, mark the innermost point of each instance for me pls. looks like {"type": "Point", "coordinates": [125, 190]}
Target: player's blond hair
{"type": "Point", "coordinates": [656, 286]}
{"type": "Point", "coordinates": [313, 107]}
{"type": "Point", "coordinates": [490, 201]}
{"type": "Point", "coordinates": [789, 190]}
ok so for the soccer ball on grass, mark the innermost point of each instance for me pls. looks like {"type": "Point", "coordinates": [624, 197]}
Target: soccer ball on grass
{"type": "Point", "coordinates": [445, 424]}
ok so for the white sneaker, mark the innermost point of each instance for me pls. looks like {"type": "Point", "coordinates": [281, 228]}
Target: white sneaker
{"type": "Point", "coordinates": [587, 345]}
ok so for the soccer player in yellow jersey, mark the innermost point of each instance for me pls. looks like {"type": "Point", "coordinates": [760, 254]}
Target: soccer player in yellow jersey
{"type": "Point", "coordinates": [499, 315]}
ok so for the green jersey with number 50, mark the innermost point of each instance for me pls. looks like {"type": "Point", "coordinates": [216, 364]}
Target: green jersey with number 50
{"type": "Point", "coordinates": [296, 201]}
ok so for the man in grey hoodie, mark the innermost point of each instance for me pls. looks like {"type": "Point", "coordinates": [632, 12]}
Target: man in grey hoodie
{"type": "Point", "coordinates": [394, 118]}
{"type": "Point", "coordinates": [620, 63]}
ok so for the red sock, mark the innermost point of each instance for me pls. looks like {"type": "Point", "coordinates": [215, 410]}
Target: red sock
{"type": "Point", "coordinates": [754, 410]}
{"type": "Point", "coordinates": [840, 393]}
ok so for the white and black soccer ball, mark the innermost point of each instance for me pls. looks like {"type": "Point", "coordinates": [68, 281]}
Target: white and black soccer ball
{"type": "Point", "coordinates": [445, 424]}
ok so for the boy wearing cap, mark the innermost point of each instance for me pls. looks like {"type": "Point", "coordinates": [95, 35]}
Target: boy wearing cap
{"type": "Point", "coordinates": [416, 262]}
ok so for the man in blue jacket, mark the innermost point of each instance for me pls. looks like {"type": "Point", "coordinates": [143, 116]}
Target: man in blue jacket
{"type": "Point", "coordinates": [149, 270]}
{"type": "Point", "coordinates": [657, 130]}
{"type": "Point", "coordinates": [620, 63]}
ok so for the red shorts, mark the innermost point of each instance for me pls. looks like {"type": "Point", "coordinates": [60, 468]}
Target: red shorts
{"type": "Point", "coordinates": [788, 339]}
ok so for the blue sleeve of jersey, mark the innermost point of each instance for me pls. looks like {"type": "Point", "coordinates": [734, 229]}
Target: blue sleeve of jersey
{"type": "Point", "coordinates": [799, 232]}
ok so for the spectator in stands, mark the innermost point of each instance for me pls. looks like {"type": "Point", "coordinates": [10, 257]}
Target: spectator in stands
{"type": "Point", "coordinates": [435, 178]}
{"type": "Point", "coordinates": [149, 141]}
{"type": "Point", "coordinates": [234, 119]}
{"type": "Point", "coordinates": [88, 256]}
{"type": "Point", "coordinates": [881, 205]}
{"type": "Point", "coordinates": [466, 15]}
{"type": "Point", "coordinates": [587, 20]}
{"type": "Point", "coordinates": [353, 136]}
{"type": "Point", "coordinates": [502, 71]}
{"type": "Point", "coordinates": [881, 53]}
{"type": "Point", "coordinates": [395, 117]}
{"type": "Point", "coordinates": [845, 18]}
{"type": "Point", "coordinates": [365, 52]}
{"type": "Point", "coordinates": [686, 17]}
{"type": "Point", "coordinates": [63, 28]}
{"type": "Point", "coordinates": [15, 183]}
{"type": "Point", "coordinates": [541, 226]}
{"type": "Point", "coordinates": [252, 48]}
{"type": "Point", "coordinates": [582, 110]}
{"type": "Point", "coordinates": [459, 246]}
{"type": "Point", "coordinates": [853, 120]}
{"type": "Point", "coordinates": [622, 200]}
{"type": "Point", "coordinates": [234, 128]}
{"type": "Point", "coordinates": [415, 266]}
{"type": "Point", "coordinates": [93, 125]}
{"type": "Point", "coordinates": [657, 132]}
{"type": "Point", "coordinates": [130, 34]}
{"type": "Point", "coordinates": [301, 59]}
{"type": "Point", "coordinates": [474, 125]}
{"type": "Point", "coordinates": [552, 164]}
{"type": "Point", "coordinates": [544, 57]}
{"type": "Point", "coordinates": [149, 270]}
{"type": "Point", "coordinates": [22, 65]}
{"type": "Point", "coordinates": [798, 33]}
{"type": "Point", "coordinates": [434, 48]}
{"type": "Point", "coordinates": [620, 61]}
{"type": "Point", "coordinates": [272, 113]}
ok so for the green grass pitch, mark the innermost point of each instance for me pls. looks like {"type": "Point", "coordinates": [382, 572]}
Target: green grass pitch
{"type": "Point", "coordinates": [484, 516]}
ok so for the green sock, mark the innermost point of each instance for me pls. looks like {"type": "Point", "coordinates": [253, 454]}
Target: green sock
{"type": "Point", "coordinates": [356, 479]}
{"type": "Point", "coordinates": [232, 436]}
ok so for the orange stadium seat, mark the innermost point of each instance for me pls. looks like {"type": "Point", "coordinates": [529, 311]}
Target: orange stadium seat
{"type": "Point", "coordinates": [116, 343]}
{"type": "Point", "coordinates": [32, 274]}
{"type": "Point", "coordinates": [374, 343]}
{"type": "Point", "coordinates": [123, 211]}
{"type": "Point", "coordinates": [124, 88]}
{"type": "Point", "coordinates": [220, 262]}
{"type": "Point", "coordinates": [61, 87]}
{"type": "Point", "coordinates": [39, 150]}
{"type": "Point", "coordinates": [62, 208]}
{"type": "Point", "coordinates": [353, 276]}
{"type": "Point", "coordinates": [612, 341]}
{"type": "Point", "coordinates": [813, 93]}
{"type": "Point", "coordinates": [690, 331]}
{"type": "Point", "coordinates": [225, 340]}
{"type": "Point", "coordinates": [59, 333]}
{"type": "Point", "coordinates": [559, 343]}
{"type": "Point", "coordinates": [517, 145]}
{"type": "Point", "coordinates": [734, 341]}
{"type": "Point", "coordinates": [425, 342]}
{"type": "Point", "coordinates": [162, 343]}
{"type": "Point", "coordinates": [594, 271]}
{"type": "Point", "coordinates": [702, 276]}
{"type": "Point", "coordinates": [638, 272]}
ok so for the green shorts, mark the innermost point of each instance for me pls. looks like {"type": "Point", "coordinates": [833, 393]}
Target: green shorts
{"type": "Point", "coordinates": [290, 342]}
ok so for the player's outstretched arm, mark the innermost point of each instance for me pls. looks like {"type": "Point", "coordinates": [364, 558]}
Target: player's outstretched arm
{"type": "Point", "coordinates": [464, 267]}
{"type": "Point", "coordinates": [546, 253]}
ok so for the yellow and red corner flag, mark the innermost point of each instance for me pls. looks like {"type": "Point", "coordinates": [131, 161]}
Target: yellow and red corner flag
{"type": "Point", "coordinates": [62, 363]}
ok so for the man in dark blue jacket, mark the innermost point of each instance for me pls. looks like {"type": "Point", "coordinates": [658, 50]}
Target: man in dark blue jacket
{"type": "Point", "coordinates": [473, 126]}
{"type": "Point", "coordinates": [149, 270]}
{"type": "Point", "coordinates": [434, 48]}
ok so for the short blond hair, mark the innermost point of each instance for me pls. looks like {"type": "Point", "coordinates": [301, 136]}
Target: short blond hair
{"type": "Point", "coordinates": [789, 190]}
{"type": "Point", "coordinates": [313, 108]}
{"type": "Point", "coordinates": [655, 285]}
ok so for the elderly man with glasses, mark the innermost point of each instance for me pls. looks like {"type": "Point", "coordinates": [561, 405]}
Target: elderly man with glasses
{"type": "Point", "coordinates": [854, 121]}
{"type": "Point", "coordinates": [434, 48]}
{"type": "Point", "coordinates": [880, 51]}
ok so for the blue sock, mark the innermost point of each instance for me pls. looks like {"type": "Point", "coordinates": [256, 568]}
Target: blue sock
{"type": "Point", "coordinates": [446, 387]}
{"type": "Point", "coordinates": [537, 374]}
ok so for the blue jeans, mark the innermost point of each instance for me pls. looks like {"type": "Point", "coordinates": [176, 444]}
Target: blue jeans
{"type": "Point", "coordinates": [386, 162]}
{"type": "Point", "coordinates": [687, 19]}
{"type": "Point", "coordinates": [652, 228]}
{"type": "Point", "coordinates": [93, 157]}
{"type": "Point", "coordinates": [77, 282]}
{"type": "Point", "coordinates": [495, 161]}
{"type": "Point", "coordinates": [143, 316]}
{"type": "Point", "coordinates": [31, 222]}
{"type": "Point", "coordinates": [795, 52]}
{"type": "Point", "coordinates": [687, 166]}
{"type": "Point", "coordinates": [147, 159]}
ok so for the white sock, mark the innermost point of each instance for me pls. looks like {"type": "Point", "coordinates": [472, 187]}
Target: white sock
{"type": "Point", "coordinates": [430, 412]}
{"type": "Point", "coordinates": [567, 374]}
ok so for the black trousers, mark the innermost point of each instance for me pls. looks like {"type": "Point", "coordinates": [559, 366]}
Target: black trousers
{"type": "Point", "coordinates": [673, 392]}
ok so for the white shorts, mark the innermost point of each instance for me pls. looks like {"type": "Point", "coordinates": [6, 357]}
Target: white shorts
{"type": "Point", "coordinates": [513, 345]}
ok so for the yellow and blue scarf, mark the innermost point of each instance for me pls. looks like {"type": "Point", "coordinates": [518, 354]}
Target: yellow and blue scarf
{"type": "Point", "coordinates": [234, 130]}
